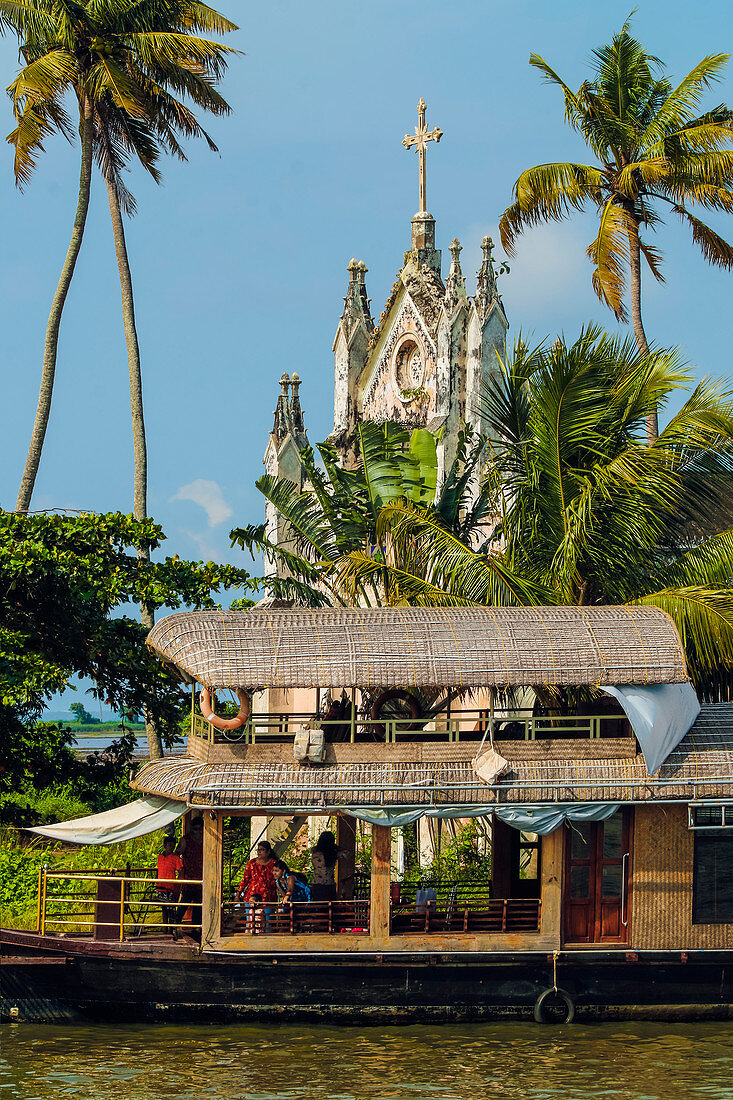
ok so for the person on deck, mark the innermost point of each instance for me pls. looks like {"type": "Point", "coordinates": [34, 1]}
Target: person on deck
{"type": "Point", "coordinates": [323, 857]}
{"type": "Point", "coordinates": [258, 881]}
{"type": "Point", "coordinates": [191, 850]}
{"type": "Point", "coordinates": [291, 885]}
{"type": "Point", "coordinates": [169, 867]}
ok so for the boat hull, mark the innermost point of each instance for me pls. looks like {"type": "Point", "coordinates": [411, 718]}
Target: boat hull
{"type": "Point", "coordinates": [43, 979]}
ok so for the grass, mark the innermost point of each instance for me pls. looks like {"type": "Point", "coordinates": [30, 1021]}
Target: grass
{"type": "Point", "coordinates": [104, 727]}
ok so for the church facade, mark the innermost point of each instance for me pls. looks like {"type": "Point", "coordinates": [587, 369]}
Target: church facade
{"type": "Point", "coordinates": [423, 364]}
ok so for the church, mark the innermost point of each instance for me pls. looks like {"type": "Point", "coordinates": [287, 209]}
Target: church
{"type": "Point", "coordinates": [422, 364]}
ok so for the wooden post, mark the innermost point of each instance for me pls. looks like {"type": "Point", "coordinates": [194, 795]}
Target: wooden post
{"type": "Point", "coordinates": [40, 887]}
{"type": "Point", "coordinates": [346, 863]}
{"type": "Point", "coordinates": [379, 897]}
{"type": "Point", "coordinates": [212, 879]}
{"type": "Point", "coordinates": [552, 861]}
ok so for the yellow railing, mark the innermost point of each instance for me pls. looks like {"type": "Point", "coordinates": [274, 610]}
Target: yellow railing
{"type": "Point", "coordinates": [467, 725]}
{"type": "Point", "coordinates": [88, 904]}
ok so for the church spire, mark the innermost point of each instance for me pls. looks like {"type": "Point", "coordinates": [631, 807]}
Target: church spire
{"type": "Point", "coordinates": [296, 412]}
{"type": "Point", "coordinates": [282, 410]}
{"type": "Point", "coordinates": [356, 302]}
{"type": "Point", "coordinates": [486, 288]}
{"type": "Point", "coordinates": [455, 287]}
{"type": "Point", "coordinates": [288, 411]}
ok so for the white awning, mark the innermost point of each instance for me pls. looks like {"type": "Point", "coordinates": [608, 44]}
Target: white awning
{"type": "Point", "coordinates": [138, 818]}
{"type": "Point", "coordinates": [660, 716]}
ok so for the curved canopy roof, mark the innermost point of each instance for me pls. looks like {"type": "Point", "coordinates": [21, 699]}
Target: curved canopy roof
{"type": "Point", "coordinates": [423, 646]}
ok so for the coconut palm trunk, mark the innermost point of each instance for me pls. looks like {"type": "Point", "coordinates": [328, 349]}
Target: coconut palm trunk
{"type": "Point", "coordinates": [652, 423]}
{"type": "Point", "coordinates": [50, 350]}
{"type": "Point", "coordinates": [140, 450]}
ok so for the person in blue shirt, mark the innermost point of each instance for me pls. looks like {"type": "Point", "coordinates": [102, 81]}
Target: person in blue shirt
{"type": "Point", "coordinates": [291, 885]}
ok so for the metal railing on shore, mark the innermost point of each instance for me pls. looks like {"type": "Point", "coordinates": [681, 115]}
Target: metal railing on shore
{"type": "Point", "coordinates": [112, 905]}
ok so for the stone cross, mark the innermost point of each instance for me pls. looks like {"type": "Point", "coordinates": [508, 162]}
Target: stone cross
{"type": "Point", "coordinates": [420, 140]}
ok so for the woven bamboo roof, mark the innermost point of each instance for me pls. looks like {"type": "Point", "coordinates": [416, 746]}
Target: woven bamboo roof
{"type": "Point", "coordinates": [422, 647]}
{"type": "Point", "coordinates": [700, 767]}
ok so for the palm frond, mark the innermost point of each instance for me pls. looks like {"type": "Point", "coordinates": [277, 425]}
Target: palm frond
{"type": "Point", "coordinates": [704, 617]}
{"type": "Point", "coordinates": [609, 254]}
{"type": "Point", "coordinates": [684, 100]}
{"type": "Point", "coordinates": [548, 192]}
{"type": "Point", "coordinates": [714, 248]}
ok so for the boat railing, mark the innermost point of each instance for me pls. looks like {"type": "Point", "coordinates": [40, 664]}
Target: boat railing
{"type": "Point", "coordinates": [468, 725]}
{"type": "Point", "coordinates": [489, 915]}
{"type": "Point", "coordinates": [111, 905]}
{"type": "Point", "coordinates": [300, 917]}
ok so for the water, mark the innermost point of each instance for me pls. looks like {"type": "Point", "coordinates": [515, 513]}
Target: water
{"type": "Point", "coordinates": [517, 1061]}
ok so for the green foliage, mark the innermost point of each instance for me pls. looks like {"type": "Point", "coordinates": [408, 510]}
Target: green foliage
{"type": "Point", "coordinates": [654, 148]}
{"type": "Point", "coordinates": [585, 511]}
{"type": "Point", "coordinates": [83, 716]}
{"type": "Point", "coordinates": [460, 860]}
{"type": "Point", "coordinates": [28, 807]}
{"type": "Point", "coordinates": [63, 580]}
{"type": "Point", "coordinates": [336, 521]}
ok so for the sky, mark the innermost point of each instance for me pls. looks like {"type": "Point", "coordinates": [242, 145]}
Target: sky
{"type": "Point", "coordinates": [239, 259]}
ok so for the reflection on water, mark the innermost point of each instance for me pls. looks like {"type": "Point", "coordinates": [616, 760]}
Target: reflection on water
{"type": "Point", "coordinates": [523, 1061]}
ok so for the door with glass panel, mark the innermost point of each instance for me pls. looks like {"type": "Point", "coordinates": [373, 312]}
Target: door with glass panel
{"type": "Point", "coordinates": [598, 880]}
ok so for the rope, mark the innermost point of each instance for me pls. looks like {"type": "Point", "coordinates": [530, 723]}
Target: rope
{"type": "Point", "coordinates": [554, 970]}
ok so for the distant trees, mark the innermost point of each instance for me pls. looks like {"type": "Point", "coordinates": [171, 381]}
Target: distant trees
{"type": "Point", "coordinates": [654, 152]}
{"type": "Point", "coordinates": [83, 716]}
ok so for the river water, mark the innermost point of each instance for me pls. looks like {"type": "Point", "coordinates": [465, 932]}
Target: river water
{"type": "Point", "coordinates": [521, 1061]}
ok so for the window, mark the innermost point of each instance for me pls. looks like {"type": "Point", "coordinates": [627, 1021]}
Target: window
{"type": "Point", "coordinates": [712, 878]}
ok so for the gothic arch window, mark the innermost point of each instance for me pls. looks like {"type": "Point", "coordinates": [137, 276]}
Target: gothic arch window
{"type": "Point", "coordinates": [408, 368]}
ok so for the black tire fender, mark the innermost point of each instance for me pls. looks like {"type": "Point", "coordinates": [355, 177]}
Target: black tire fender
{"type": "Point", "coordinates": [543, 1002]}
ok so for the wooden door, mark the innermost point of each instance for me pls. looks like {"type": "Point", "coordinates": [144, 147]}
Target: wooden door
{"type": "Point", "coordinates": [598, 880]}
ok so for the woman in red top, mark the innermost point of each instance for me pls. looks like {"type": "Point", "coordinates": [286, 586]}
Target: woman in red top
{"type": "Point", "coordinates": [169, 867]}
{"type": "Point", "coordinates": [258, 884]}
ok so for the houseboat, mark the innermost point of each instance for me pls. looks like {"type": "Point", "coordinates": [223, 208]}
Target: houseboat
{"type": "Point", "coordinates": [572, 734]}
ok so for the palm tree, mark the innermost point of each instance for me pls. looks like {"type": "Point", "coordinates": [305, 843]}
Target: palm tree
{"type": "Point", "coordinates": [654, 150]}
{"type": "Point", "coordinates": [125, 62]}
{"type": "Point", "coordinates": [340, 554]}
{"type": "Point", "coordinates": [586, 510]}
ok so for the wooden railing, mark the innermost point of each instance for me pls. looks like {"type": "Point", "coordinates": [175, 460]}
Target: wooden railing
{"type": "Point", "coordinates": [465, 726]}
{"type": "Point", "coordinates": [109, 905]}
{"type": "Point", "coordinates": [271, 918]}
{"type": "Point", "coordinates": [494, 915]}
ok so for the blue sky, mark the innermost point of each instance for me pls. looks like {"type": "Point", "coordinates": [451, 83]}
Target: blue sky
{"type": "Point", "coordinates": [239, 260]}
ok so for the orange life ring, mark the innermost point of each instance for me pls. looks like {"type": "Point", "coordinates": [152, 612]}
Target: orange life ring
{"type": "Point", "coordinates": [397, 693]}
{"type": "Point", "coordinates": [226, 723]}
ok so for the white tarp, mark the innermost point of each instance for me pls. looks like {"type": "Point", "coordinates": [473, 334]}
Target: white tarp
{"type": "Point", "coordinates": [145, 815]}
{"type": "Point", "coordinates": [660, 716]}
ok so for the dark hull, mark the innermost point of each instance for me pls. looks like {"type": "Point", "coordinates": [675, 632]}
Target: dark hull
{"type": "Point", "coordinates": [44, 980]}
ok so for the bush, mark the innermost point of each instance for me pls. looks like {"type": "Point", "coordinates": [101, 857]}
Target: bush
{"type": "Point", "coordinates": [27, 807]}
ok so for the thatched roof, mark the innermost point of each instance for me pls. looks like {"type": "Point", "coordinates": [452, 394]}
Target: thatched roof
{"type": "Point", "coordinates": [541, 771]}
{"type": "Point", "coordinates": [423, 647]}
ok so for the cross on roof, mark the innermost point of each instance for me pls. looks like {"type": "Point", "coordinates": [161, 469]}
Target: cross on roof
{"type": "Point", "coordinates": [420, 140]}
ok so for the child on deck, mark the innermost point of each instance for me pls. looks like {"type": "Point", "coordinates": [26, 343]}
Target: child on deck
{"type": "Point", "coordinates": [169, 868]}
